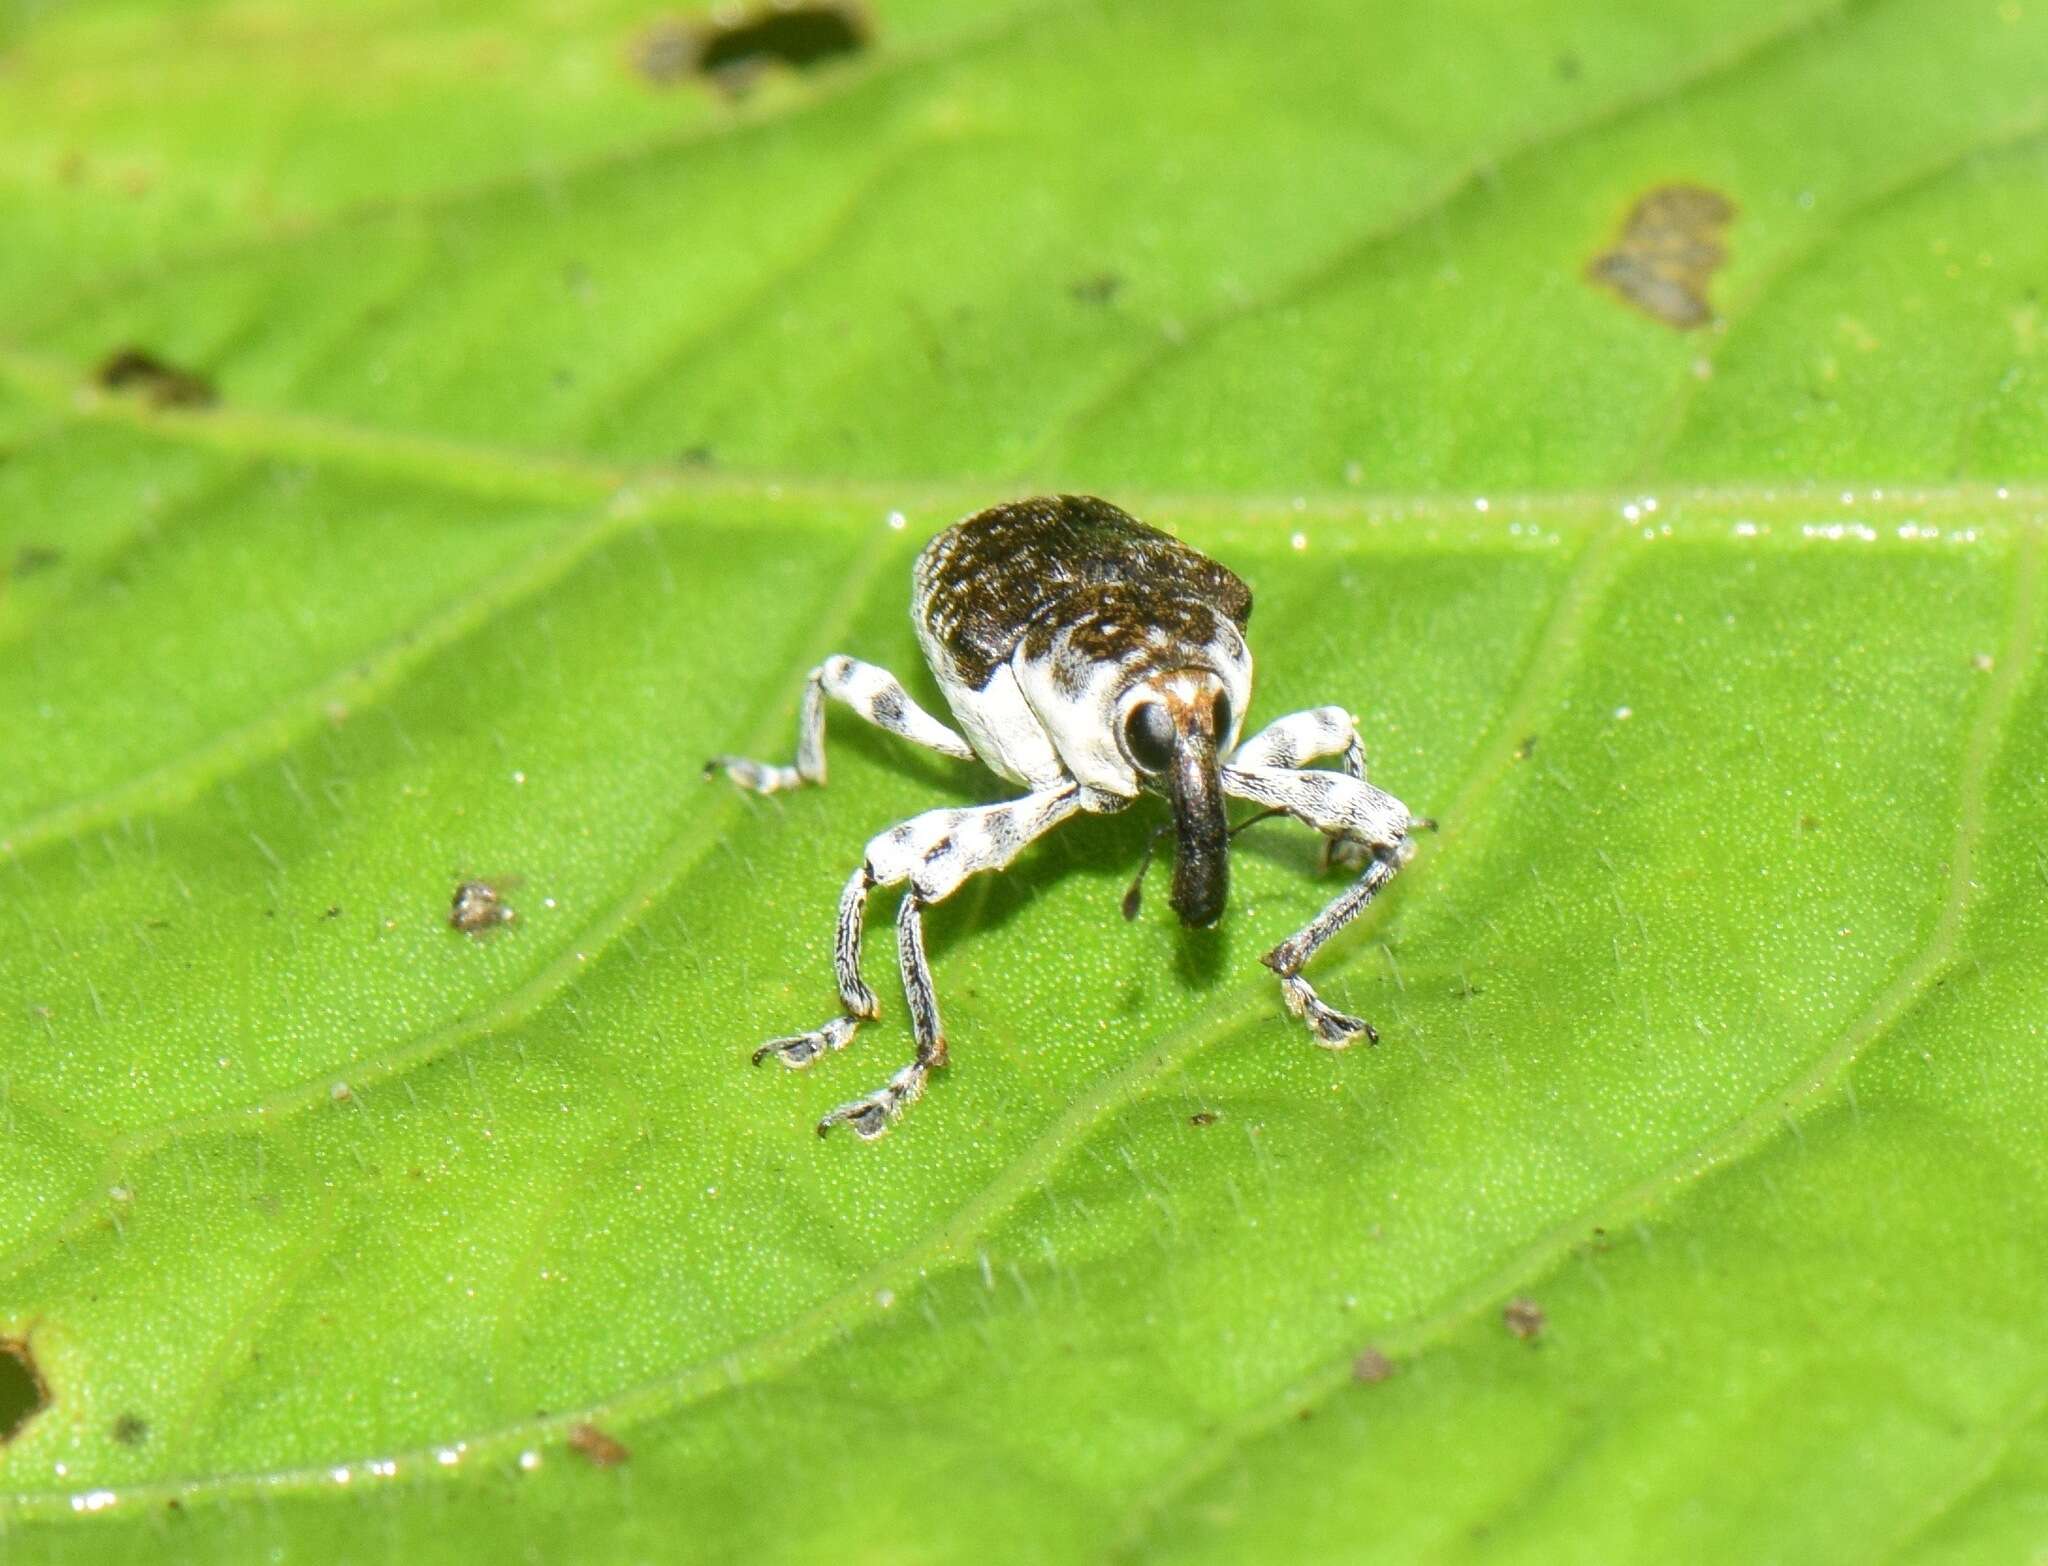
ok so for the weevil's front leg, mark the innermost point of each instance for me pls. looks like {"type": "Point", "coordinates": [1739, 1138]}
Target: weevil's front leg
{"type": "Point", "coordinates": [1352, 811]}
{"type": "Point", "coordinates": [934, 853]}
{"type": "Point", "coordinates": [869, 690]}
{"type": "Point", "coordinates": [1305, 736]}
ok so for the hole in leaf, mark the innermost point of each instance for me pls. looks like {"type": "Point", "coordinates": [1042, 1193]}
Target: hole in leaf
{"type": "Point", "coordinates": [158, 382]}
{"type": "Point", "coordinates": [23, 1392]}
{"type": "Point", "coordinates": [733, 47]}
{"type": "Point", "coordinates": [1669, 249]}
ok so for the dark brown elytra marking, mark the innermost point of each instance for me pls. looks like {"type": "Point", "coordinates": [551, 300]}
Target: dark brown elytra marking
{"type": "Point", "coordinates": [732, 50]}
{"type": "Point", "coordinates": [23, 1391]}
{"type": "Point", "coordinates": [1669, 249]}
{"type": "Point", "coordinates": [1038, 566]}
{"type": "Point", "coordinates": [158, 382]}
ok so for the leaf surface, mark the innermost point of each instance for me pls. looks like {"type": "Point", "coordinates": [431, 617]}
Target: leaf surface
{"type": "Point", "coordinates": [561, 419]}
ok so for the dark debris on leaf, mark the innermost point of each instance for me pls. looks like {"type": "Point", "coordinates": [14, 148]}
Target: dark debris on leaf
{"type": "Point", "coordinates": [156, 381]}
{"type": "Point", "coordinates": [1669, 249]}
{"type": "Point", "coordinates": [732, 48]}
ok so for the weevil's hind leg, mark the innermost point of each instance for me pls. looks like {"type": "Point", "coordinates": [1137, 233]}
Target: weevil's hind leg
{"type": "Point", "coordinates": [1338, 806]}
{"type": "Point", "coordinates": [800, 1049]}
{"type": "Point", "coordinates": [934, 853]}
{"type": "Point", "coordinates": [869, 690]}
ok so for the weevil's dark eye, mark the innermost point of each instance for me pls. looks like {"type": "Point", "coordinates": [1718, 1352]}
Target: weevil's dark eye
{"type": "Point", "coordinates": [1222, 712]}
{"type": "Point", "coordinates": [1148, 736]}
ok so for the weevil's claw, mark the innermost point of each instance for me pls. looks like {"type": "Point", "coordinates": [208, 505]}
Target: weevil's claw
{"type": "Point", "coordinates": [800, 1049]}
{"type": "Point", "coordinates": [1331, 1029]}
{"type": "Point", "coordinates": [756, 777]}
{"type": "Point", "coordinates": [1339, 1030]}
{"type": "Point", "coordinates": [869, 1117]}
{"type": "Point", "coordinates": [872, 1116]}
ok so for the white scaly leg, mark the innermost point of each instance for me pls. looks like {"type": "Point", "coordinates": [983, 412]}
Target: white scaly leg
{"type": "Point", "coordinates": [1352, 811]}
{"type": "Point", "coordinates": [932, 854]}
{"type": "Point", "coordinates": [869, 690]}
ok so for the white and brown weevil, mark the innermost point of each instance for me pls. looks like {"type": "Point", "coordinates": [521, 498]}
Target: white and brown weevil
{"type": "Point", "coordinates": [1091, 659]}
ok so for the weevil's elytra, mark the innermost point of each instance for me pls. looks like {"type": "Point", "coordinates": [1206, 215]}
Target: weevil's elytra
{"type": "Point", "coordinates": [1089, 659]}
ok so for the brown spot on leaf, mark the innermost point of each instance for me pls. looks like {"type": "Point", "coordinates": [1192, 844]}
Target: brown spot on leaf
{"type": "Point", "coordinates": [1202, 1117]}
{"type": "Point", "coordinates": [158, 382]}
{"type": "Point", "coordinates": [1669, 249]}
{"type": "Point", "coordinates": [1527, 748]}
{"type": "Point", "coordinates": [1371, 1367]}
{"type": "Point", "coordinates": [131, 1430]}
{"type": "Point", "coordinates": [604, 1451]}
{"type": "Point", "coordinates": [733, 47]}
{"type": "Point", "coordinates": [1524, 1318]}
{"type": "Point", "coordinates": [23, 1392]}
{"type": "Point", "coordinates": [34, 559]}
{"type": "Point", "coordinates": [1099, 289]}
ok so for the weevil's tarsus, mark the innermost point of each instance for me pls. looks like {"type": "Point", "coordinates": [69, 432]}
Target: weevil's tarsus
{"type": "Point", "coordinates": [800, 1049]}
{"type": "Point", "coordinates": [870, 690]}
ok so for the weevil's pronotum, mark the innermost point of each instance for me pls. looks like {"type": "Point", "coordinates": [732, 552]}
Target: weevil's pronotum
{"type": "Point", "coordinates": [1090, 659]}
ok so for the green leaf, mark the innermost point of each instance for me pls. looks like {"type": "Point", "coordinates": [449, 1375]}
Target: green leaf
{"type": "Point", "coordinates": [424, 438]}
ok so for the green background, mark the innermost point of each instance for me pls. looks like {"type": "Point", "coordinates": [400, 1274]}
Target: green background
{"type": "Point", "coordinates": [561, 420]}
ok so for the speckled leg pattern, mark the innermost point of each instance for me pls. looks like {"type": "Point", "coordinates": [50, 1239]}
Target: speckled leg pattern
{"type": "Point", "coordinates": [1339, 806]}
{"type": "Point", "coordinates": [1302, 737]}
{"type": "Point", "coordinates": [869, 690]}
{"type": "Point", "coordinates": [930, 855]}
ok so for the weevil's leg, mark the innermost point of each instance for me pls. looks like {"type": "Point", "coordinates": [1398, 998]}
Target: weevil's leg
{"type": "Point", "coordinates": [1307, 736]}
{"type": "Point", "coordinates": [800, 1049]}
{"type": "Point", "coordinates": [1343, 807]}
{"type": "Point", "coordinates": [1302, 737]}
{"type": "Point", "coordinates": [934, 853]}
{"type": "Point", "coordinates": [869, 690]}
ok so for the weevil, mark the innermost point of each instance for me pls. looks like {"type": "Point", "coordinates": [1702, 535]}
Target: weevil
{"type": "Point", "coordinates": [1090, 660]}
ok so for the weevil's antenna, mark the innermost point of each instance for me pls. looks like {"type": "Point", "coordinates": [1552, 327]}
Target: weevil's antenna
{"type": "Point", "coordinates": [1135, 896]}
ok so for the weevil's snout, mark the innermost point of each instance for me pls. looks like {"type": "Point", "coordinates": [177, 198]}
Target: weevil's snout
{"type": "Point", "coordinates": [1173, 732]}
